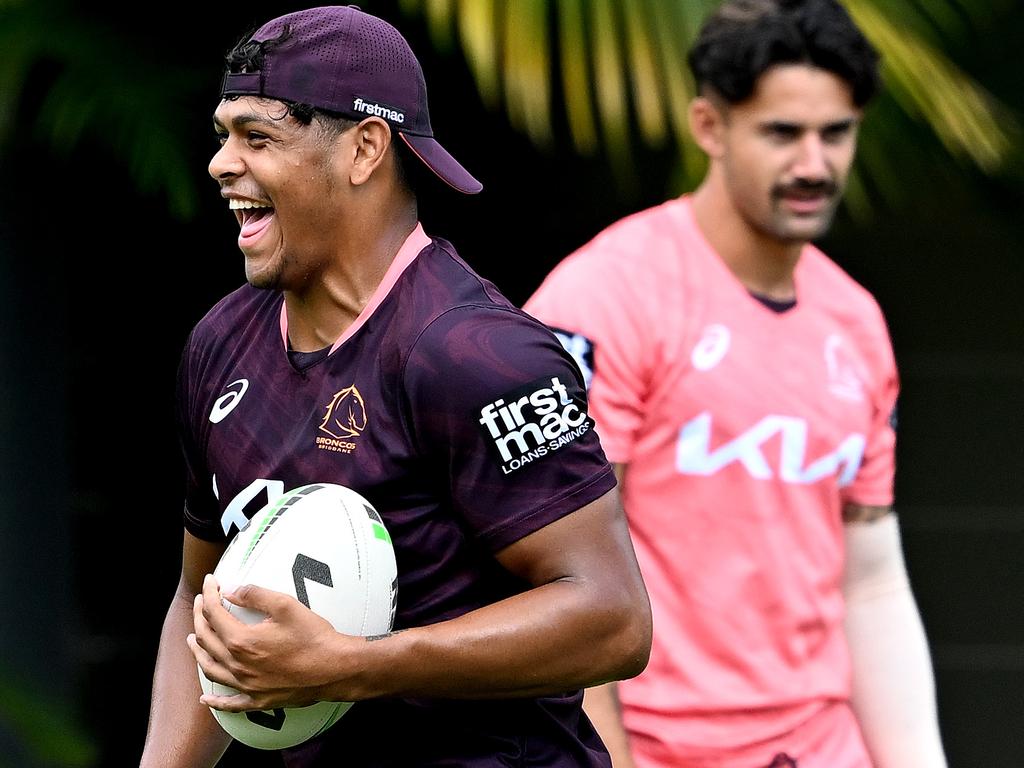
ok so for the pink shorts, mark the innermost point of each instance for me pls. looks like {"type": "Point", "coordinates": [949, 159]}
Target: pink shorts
{"type": "Point", "coordinates": [829, 739]}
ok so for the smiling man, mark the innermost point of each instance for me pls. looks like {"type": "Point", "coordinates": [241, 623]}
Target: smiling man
{"type": "Point", "coordinates": [744, 386]}
{"type": "Point", "coordinates": [365, 353]}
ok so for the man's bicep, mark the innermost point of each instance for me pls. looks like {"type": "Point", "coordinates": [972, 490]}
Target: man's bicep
{"type": "Point", "coordinates": [874, 555]}
{"type": "Point", "coordinates": [591, 543]}
{"type": "Point", "coordinates": [506, 422]}
{"type": "Point", "coordinates": [198, 558]}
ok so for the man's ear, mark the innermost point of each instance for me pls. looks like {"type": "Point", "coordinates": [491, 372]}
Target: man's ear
{"type": "Point", "coordinates": [372, 137]}
{"type": "Point", "coordinates": [707, 124]}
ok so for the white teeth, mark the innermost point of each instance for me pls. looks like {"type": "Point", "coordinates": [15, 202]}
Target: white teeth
{"type": "Point", "coordinates": [234, 204]}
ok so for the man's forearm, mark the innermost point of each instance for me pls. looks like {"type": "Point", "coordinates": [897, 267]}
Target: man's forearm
{"type": "Point", "coordinates": [585, 622]}
{"type": "Point", "coordinates": [602, 707]}
{"type": "Point", "coordinates": [893, 684]}
{"type": "Point", "coordinates": [182, 732]}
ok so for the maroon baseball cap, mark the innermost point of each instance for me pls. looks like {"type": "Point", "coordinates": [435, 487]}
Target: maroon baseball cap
{"type": "Point", "coordinates": [343, 60]}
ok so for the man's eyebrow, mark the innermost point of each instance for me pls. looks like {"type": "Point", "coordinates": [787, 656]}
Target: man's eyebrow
{"type": "Point", "coordinates": [841, 124]}
{"type": "Point", "coordinates": [786, 125]}
{"type": "Point", "coordinates": [238, 122]}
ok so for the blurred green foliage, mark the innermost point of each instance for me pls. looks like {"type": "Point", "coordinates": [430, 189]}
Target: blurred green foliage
{"type": "Point", "coordinates": [45, 729]}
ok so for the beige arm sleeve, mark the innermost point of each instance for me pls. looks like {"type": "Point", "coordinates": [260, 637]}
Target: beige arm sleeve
{"type": "Point", "coordinates": [602, 707]}
{"type": "Point", "coordinates": [893, 684]}
{"type": "Point", "coordinates": [601, 704]}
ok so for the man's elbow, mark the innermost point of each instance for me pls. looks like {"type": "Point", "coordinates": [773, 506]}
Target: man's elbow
{"type": "Point", "coordinates": [632, 641]}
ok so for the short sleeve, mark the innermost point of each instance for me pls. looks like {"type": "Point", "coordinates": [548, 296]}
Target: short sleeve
{"type": "Point", "coordinates": [597, 311]}
{"type": "Point", "coordinates": [873, 484]}
{"type": "Point", "coordinates": [498, 407]}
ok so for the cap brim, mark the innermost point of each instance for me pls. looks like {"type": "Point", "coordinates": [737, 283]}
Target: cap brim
{"type": "Point", "coordinates": [437, 159]}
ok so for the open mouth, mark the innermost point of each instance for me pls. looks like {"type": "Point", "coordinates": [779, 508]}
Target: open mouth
{"type": "Point", "coordinates": [807, 198]}
{"type": "Point", "coordinates": [253, 219]}
{"type": "Point", "coordinates": [806, 203]}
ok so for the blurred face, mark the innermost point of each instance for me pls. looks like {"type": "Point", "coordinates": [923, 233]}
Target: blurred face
{"type": "Point", "coordinates": [786, 151]}
{"type": "Point", "coordinates": [282, 181]}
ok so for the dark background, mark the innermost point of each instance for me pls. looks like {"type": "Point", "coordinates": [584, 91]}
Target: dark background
{"type": "Point", "coordinates": [101, 284]}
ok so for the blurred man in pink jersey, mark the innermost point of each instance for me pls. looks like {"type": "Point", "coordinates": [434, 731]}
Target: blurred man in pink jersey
{"type": "Point", "coordinates": [744, 386]}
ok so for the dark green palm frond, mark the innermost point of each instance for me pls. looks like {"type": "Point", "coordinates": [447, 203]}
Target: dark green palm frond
{"type": "Point", "coordinates": [575, 76]}
{"type": "Point", "coordinates": [96, 89]}
{"type": "Point", "coordinates": [966, 119]}
{"type": "Point", "coordinates": [526, 68]}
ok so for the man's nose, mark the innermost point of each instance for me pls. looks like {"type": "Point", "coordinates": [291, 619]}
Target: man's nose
{"type": "Point", "coordinates": [812, 160]}
{"type": "Point", "coordinates": [226, 162]}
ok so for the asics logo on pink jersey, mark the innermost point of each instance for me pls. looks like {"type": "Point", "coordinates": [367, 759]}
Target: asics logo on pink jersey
{"type": "Point", "coordinates": [711, 348]}
{"type": "Point", "coordinates": [533, 421]}
{"type": "Point", "coordinates": [694, 457]}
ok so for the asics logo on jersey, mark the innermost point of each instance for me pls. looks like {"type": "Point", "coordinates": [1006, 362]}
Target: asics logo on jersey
{"type": "Point", "coordinates": [694, 457]}
{"type": "Point", "coordinates": [378, 110]}
{"type": "Point", "coordinates": [226, 403]}
{"type": "Point", "coordinates": [344, 421]}
{"type": "Point", "coordinates": [533, 421]}
{"type": "Point", "coordinates": [713, 344]}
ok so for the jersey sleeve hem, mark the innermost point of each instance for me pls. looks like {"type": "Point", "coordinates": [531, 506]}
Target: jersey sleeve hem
{"type": "Point", "coordinates": [867, 499]}
{"type": "Point", "coordinates": [203, 529]}
{"type": "Point", "coordinates": [521, 526]}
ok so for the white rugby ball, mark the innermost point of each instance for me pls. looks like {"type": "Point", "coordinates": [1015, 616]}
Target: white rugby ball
{"type": "Point", "coordinates": [326, 546]}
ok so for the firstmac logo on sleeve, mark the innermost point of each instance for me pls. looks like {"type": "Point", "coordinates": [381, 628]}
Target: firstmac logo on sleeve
{"type": "Point", "coordinates": [534, 421]}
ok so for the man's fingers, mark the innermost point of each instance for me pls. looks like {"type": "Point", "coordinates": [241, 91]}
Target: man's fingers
{"type": "Point", "coordinates": [199, 622]}
{"type": "Point", "coordinates": [238, 703]}
{"type": "Point", "coordinates": [218, 618]}
{"type": "Point", "coordinates": [213, 669]}
{"type": "Point", "coordinates": [209, 647]}
{"type": "Point", "coordinates": [265, 602]}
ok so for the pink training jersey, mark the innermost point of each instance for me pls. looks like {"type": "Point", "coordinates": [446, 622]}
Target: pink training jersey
{"type": "Point", "coordinates": [745, 431]}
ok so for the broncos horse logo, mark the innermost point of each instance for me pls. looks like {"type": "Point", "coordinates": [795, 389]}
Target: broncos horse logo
{"type": "Point", "coordinates": [346, 414]}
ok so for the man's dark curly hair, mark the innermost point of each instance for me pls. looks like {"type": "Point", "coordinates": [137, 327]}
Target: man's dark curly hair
{"type": "Point", "coordinates": [744, 38]}
{"type": "Point", "coordinates": [247, 56]}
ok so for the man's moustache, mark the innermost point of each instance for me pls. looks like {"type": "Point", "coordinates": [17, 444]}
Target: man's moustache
{"type": "Point", "coordinates": [826, 188]}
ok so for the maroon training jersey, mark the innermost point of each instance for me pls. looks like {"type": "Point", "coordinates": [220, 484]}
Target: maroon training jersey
{"type": "Point", "coordinates": [461, 419]}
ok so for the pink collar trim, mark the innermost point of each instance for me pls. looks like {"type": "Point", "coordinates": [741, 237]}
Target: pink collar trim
{"type": "Point", "coordinates": [414, 243]}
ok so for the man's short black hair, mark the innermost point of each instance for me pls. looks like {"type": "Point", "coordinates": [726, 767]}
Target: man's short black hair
{"type": "Point", "coordinates": [744, 38]}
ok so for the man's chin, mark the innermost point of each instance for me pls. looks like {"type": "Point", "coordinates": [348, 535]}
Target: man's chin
{"type": "Point", "coordinates": [802, 229]}
{"type": "Point", "coordinates": [264, 279]}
